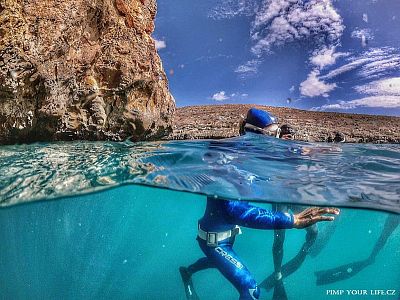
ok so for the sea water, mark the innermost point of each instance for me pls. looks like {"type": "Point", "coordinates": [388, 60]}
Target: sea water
{"type": "Point", "coordinates": [85, 220]}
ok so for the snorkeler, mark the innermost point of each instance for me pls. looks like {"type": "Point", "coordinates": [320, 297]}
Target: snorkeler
{"type": "Point", "coordinates": [260, 121]}
{"type": "Point", "coordinates": [349, 270]}
{"type": "Point", "coordinates": [254, 120]}
{"type": "Point", "coordinates": [219, 226]}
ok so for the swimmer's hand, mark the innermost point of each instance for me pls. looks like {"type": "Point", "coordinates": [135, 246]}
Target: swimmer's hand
{"type": "Point", "coordinates": [313, 215]}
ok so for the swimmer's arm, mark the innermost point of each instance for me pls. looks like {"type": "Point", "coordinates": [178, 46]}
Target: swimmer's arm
{"type": "Point", "coordinates": [244, 214]}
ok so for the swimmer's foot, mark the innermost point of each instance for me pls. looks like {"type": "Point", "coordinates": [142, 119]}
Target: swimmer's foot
{"type": "Point", "coordinates": [188, 284]}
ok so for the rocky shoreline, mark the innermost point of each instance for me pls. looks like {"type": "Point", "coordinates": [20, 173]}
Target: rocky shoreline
{"type": "Point", "coordinates": [222, 121]}
{"type": "Point", "coordinates": [84, 70]}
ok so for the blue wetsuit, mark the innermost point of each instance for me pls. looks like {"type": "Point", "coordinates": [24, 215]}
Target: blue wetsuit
{"type": "Point", "coordinates": [222, 215]}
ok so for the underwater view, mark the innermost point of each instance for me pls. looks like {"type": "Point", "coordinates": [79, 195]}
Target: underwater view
{"type": "Point", "coordinates": [187, 150]}
{"type": "Point", "coordinates": [95, 220]}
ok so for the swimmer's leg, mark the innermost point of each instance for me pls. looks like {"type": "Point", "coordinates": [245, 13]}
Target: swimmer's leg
{"type": "Point", "coordinates": [230, 265]}
{"type": "Point", "coordinates": [201, 264]}
{"type": "Point", "coordinates": [277, 252]}
{"type": "Point", "coordinates": [295, 263]}
{"type": "Point", "coordinates": [323, 237]}
{"type": "Point", "coordinates": [279, 239]}
{"type": "Point", "coordinates": [311, 236]}
{"type": "Point", "coordinates": [186, 274]}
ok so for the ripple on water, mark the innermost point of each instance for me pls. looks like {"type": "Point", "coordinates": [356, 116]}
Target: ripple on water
{"type": "Point", "coordinates": [247, 167]}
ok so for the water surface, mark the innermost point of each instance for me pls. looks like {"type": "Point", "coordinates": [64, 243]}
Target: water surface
{"type": "Point", "coordinates": [248, 167]}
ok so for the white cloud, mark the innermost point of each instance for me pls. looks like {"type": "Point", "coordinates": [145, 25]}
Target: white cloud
{"type": "Point", "coordinates": [160, 44]}
{"type": "Point", "coordinates": [383, 87]}
{"type": "Point", "coordinates": [212, 57]}
{"type": "Point", "coordinates": [280, 21]}
{"type": "Point", "coordinates": [248, 68]}
{"type": "Point", "coordinates": [238, 95]}
{"type": "Point", "coordinates": [359, 33]}
{"type": "Point", "coordinates": [364, 35]}
{"type": "Point", "coordinates": [375, 101]}
{"type": "Point", "coordinates": [325, 57]}
{"type": "Point", "coordinates": [227, 9]}
{"type": "Point", "coordinates": [220, 96]}
{"type": "Point", "coordinates": [384, 93]}
{"type": "Point", "coordinates": [380, 67]}
{"type": "Point", "coordinates": [291, 89]}
{"type": "Point", "coordinates": [313, 86]}
{"type": "Point", "coordinates": [372, 102]}
{"type": "Point", "coordinates": [345, 68]}
{"type": "Point", "coordinates": [371, 63]}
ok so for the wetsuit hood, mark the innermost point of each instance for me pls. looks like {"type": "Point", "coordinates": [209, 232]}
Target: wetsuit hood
{"type": "Point", "coordinates": [260, 118]}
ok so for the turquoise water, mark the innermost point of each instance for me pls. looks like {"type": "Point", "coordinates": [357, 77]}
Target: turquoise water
{"type": "Point", "coordinates": [127, 243]}
{"type": "Point", "coordinates": [83, 231]}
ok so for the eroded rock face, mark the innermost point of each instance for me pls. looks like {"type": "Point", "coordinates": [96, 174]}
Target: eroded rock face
{"type": "Point", "coordinates": [81, 69]}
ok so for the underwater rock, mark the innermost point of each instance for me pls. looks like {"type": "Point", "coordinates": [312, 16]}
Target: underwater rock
{"type": "Point", "coordinates": [81, 69]}
{"type": "Point", "coordinates": [222, 121]}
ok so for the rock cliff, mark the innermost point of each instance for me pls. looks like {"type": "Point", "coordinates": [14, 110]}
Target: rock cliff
{"type": "Point", "coordinates": [81, 69]}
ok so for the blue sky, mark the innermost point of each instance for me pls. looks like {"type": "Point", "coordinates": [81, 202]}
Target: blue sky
{"type": "Point", "coordinates": [323, 55]}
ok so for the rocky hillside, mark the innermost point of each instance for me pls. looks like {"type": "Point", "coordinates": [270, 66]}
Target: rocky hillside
{"type": "Point", "coordinates": [81, 69]}
{"type": "Point", "coordinates": [222, 121]}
